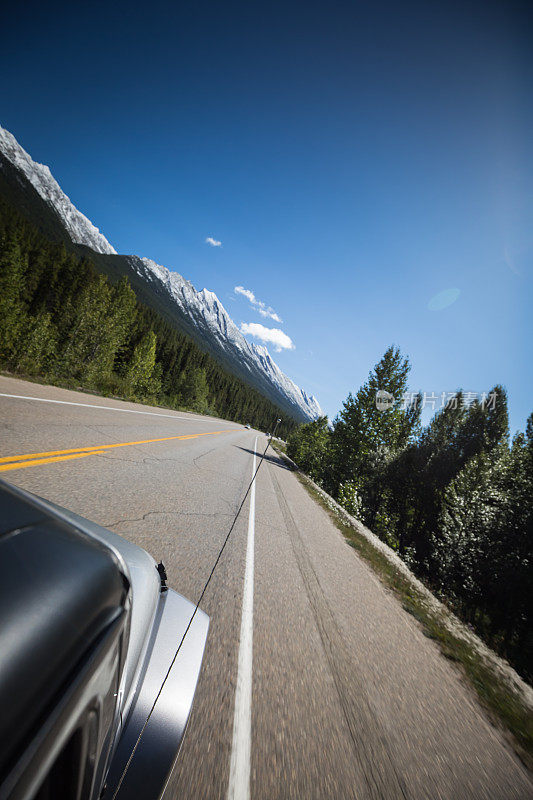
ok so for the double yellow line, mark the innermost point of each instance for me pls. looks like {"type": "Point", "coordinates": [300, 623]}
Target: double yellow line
{"type": "Point", "coordinates": [35, 459]}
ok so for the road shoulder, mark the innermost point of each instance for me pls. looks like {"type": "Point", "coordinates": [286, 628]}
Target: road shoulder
{"type": "Point", "coordinates": [410, 685]}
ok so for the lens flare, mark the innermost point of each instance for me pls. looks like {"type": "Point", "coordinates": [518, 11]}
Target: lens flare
{"type": "Point", "coordinates": [443, 299]}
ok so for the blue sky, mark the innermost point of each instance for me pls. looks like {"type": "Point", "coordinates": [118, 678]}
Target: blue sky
{"type": "Point", "coordinates": [355, 160]}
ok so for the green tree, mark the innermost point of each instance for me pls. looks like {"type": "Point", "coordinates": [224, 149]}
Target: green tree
{"type": "Point", "coordinates": [13, 265]}
{"type": "Point", "coordinates": [309, 446]}
{"type": "Point", "coordinates": [482, 550]}
{"type": "Point", "coordinates": [143, 376]}
{"type": "Point", "coordinates": [104, 317]}
{"type": "Point", "coordinates": [454, 436]}
{"type": "Point", "coordinates": [350, 499]}
{"type": "Point", "coordinates": [85, 351]}
{"type": "Point", "coordinates": [195, 390]}
{"type": "Point", "coordinates": [361, 428]}
{"type": "Point", "coordinates": [122, 317]}
{"type": "Point", "coordinates": [365, 438]}
{"type": "Point", "coordinates": [37, 344]}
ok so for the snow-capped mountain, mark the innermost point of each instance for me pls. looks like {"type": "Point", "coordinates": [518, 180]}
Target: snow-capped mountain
{"type": "Point", "coordinates": [285, 384]}
{"type": "Point", "coordinates": [80, 229]}
{"type": "Point", "coordinates": [209, 315]}
{"type": "Point", "coordinates": [199, 313]}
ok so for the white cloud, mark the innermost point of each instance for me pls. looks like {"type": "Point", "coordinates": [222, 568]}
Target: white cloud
{"type": "Point", "coordinates": [213, 242]}
{"type": "Point", "coordinates": [246, 293]}
{"type": "Point", "coordinates": [276, 337]}
{"type": "Point", "coordinates": [270, 313]}
{"type": "Point", "coordinates": [264, 310]}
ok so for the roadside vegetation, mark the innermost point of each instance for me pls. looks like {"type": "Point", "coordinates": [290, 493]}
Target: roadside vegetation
{"type": "Point", "coordinates": [497, 689]}
{"type": "Point", "coordinates": [454, 500]}
{"type": "Point", "coordinates": [62, 321]}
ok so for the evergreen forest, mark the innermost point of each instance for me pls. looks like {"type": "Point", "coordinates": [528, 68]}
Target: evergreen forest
{"type": "Point", "coordinates": [64, 322]}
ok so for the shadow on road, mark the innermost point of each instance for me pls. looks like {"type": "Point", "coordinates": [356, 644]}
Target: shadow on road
{"type": "Point", "coordinates": [273, 459]}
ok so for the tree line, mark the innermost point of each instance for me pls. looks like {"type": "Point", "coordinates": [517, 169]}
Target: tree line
{"type": "Point", "coordinates": [454, 499]}
{"type": "Point", "coordinates": [62, 320]}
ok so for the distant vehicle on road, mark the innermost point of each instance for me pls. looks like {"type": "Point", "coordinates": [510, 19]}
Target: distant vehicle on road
{"type": "Point", "coordinates": [100, 659]}
{"type": "Point", "coordinates": [247, 426]}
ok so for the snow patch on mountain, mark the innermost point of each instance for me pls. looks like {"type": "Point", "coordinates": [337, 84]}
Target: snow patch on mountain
{"type": "Point", "coordinates": [80, 229]}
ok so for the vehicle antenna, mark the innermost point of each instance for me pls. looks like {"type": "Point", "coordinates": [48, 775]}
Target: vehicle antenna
{"type": "Point", "coordinates": [219, 556]}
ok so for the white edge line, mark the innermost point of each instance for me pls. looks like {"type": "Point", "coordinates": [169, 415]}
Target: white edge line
{"type": "Point", "coordinates": [241, 747]}
{"type": "Point", "coordinates": [113, 408]}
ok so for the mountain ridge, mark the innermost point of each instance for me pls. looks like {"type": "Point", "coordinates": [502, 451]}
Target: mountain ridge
{"type": "Point", "coordinates": [78, 226]}
{"type": "Point", "coordinates": [200, 312]}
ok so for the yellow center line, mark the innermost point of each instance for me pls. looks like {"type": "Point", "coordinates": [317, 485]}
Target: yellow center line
{"type": "Point", "coordinates": [31, 459]}
{"type": "Point", "coordinates": [23, 464]}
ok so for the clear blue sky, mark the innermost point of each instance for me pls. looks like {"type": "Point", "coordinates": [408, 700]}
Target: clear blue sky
{"type": "Point", "coordinates": [354, 159]}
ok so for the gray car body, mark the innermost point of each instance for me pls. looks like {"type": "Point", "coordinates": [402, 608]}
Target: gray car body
{"type": "Point", "coordinates": [157, 687]}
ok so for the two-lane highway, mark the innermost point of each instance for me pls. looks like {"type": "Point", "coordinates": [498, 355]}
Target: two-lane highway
{"type": "Point", "coordinates": [316, 683]}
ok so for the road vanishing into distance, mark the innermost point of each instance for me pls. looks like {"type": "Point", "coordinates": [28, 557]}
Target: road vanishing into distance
{"type": "Point", "coordinates": [344, 696]}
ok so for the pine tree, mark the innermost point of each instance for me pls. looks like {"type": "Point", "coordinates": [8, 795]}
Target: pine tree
{"type": "Point", "coordinates": [309, 446]}
{"type": "Point", "coordinates": [143, 377]}
{"type": "Point", "coordinates": [195, 389]}
{"type": "Point", "coordinates": [361, 428]}
{"type": "Point", "coordinates": [37, 344]}
{"type": "Point", "coordinates": [365, 439]}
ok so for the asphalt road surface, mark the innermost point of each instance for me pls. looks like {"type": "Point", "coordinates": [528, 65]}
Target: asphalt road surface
{"type": "Point", "coordinates": [344, 697]}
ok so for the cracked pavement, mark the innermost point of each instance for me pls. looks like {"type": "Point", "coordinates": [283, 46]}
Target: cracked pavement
{"type": "Point", "coordinates": [350, 699]}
